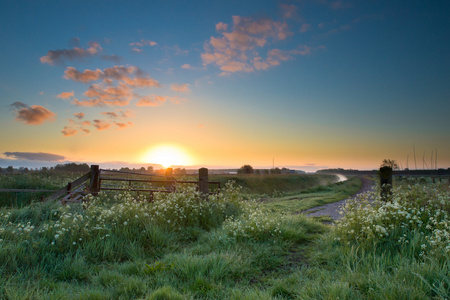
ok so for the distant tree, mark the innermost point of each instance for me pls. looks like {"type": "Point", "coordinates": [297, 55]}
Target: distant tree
{"type": "Point", "coordinates": [245, 169]}
{"type": "Point", "coordinates": [275, 171]}
{"type": "Point", "coordinates": [126, 169]}
{"type": "Point", "coordinates": [150, 169]}
{"type": "Point", "coordinates": [10, 169]}
{"type": "Point", "coordinates": [258, 171]}
{"type": "Point", "coordinates": [26, 170]}
{"type": "Point", "coordinates": [142, 170]}
{"type": "Point", "coordinates": [389, 163]}
{"type": "Point", "coordinates": [266, 171]}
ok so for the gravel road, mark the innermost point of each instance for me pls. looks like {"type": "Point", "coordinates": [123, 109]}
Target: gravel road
{"type": "Point", "coordinates": [332, 209]}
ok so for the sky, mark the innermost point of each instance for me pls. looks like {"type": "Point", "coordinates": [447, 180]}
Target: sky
{"type": "Point", "coordinates": [308, 84]}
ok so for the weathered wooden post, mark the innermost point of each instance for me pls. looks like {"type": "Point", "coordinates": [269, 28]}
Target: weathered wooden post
{"type": "Point", "coordinates": [94, 185]}
{"type": "Point", "coordinates": [169, 185]}
{"type": "Point", "coordinates": [385, 182]}
{"type": "Point", "coordinates": [203, 184]}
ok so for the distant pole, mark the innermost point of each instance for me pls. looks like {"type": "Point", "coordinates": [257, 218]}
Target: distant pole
{"type": "Point", "coordinates": [385, 183]}
{"type": "Point", "coordinates": [95, 180]}
{"type": "Point", "coordinates": [203, 184]}
{"type": "Point", "coordinates": [415, 163]}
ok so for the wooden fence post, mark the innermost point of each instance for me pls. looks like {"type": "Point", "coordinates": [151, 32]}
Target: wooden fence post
{"type": "Point", "coordinates": [203, 184]}
{"type": "Point", "coordinates": [385, 183]}
{"type": "Point", "coordinates": [169, 185]}
{"type": "Point", "coordinates": [94, 185]}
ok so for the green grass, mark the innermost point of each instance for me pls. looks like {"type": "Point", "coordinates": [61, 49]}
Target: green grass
{"type": "Point", "coordinates": [275, 185]}
{"type": "Point", "coordinates": [199, 257]}
{"type": "Point", "coordinates": [314, 197]}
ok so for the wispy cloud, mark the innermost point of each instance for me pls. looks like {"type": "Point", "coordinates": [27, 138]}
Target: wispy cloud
{"type": "Point", "coordinates": [137, 46]}
{"type": "Point", "coordinates": [38, 156]}
{"type": "Point", "coordinates": [32, 115]}
{"type": "Point", "coordinates": [180, 88]}
{"type": "Point", "coordinates": [186, 67]}
{"type": "Point", "coordinates": [65, 95]}
{"type": "Point", "coordinates": [152, 100]}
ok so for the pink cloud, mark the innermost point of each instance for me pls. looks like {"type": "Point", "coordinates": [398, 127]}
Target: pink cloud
{"type": "Point", "coordinates": [221, 26]}
{"type": "Point", "coordinates": [85, 77]}
{"type": "Point", "coordinates": [237, 50]}
{"type": "Point", "coordinates": [65, 95]}
{"type": "Point", "coordinates": [123, 125]}
{"type": "Point", "coordinates": [76, 53]}
{"type": "Point", "coordinates": [151, 100]}
{"type": "Point", "coordinates": [32, 115]}
{"type": "Point", "coordinates": [119, 95]}
{"type": "Point", "coordinates": [106, 93]}
{"type": "Point", "coordinates": [180, 88]}
{"type": "Point", "coordinates": [186, 67]}
{"type": "Point", "coordinates": [101, 125]}
{"type": "Point", "coordinates": [69, 131]}
{"type": "Point", "coordinates": [79, 115]}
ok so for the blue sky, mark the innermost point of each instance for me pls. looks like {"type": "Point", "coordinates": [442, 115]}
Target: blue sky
{"type": "Point", "coordinates": [312, 84]}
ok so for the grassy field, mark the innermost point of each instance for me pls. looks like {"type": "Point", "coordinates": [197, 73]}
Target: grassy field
{"type": "Point", "coordinates": [229, 247]}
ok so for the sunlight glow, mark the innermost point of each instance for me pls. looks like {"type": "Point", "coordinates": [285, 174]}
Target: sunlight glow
{"type": "Point", "coordinates": [167, 156]}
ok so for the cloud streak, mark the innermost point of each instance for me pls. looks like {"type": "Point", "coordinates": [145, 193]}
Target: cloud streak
{"type": "Point", "coordinates": [38, 156]}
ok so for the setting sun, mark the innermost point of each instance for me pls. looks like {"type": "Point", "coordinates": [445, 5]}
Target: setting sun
{"type": "Point", "coordinates": [167, 156]}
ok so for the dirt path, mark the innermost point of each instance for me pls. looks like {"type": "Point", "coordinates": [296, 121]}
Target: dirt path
{"type": "Point", "coordinates": [332, 209]}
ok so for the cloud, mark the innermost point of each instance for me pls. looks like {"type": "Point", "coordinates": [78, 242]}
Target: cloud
{"type": "Point", "coordinates": [118, 114]}
{"type": "Point", "coordinates": [123, 125]}
{"type": "Point", "coordinates": [39, 156]}
{"type": "Point", "coordinates": [105, 93]}
{"type": "Point", "coordinates": [288, 11]}
{"type": "Point", "coordinates": [305, 27]}
{"type": "Point", "coordinates": [59, 56]}
{"type": "Point", "coordinates": [79, 115]}
{"type": "Point", "coordinates": [151, 100]}
{"type": "Point", "coordinates": [98, 95]}
{"type": "Point", "coordinates": [65, 95]}
{"type": "Point", "coordinates": [33, 115]}
{"type": "Point", "coordinates": [237, 50]}
{"type": "Point", "coordinates": [186, 67]}
{"type": "Point", "coordinates": [137, 45]}
{"type": "Point", "coordinates": [221, 26]}
{"type": "Point", "coordinates": [101, 125]}
{"type": "Point", "coordinates": [74, 42]}
{"type": "Point", "coordinates": [177, 50]}
{"type": "Point", "coordinates": [180, 88]}
{"type": "Point", "coordinates": [69, 131]}
{"type": "Point", "coordinates": [85, 77]}
{"type": "Point", "coordinates": [114, 58]}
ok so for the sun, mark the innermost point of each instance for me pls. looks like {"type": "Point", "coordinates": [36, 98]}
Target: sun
{"type": "Point", "coordinates": [167, 156]}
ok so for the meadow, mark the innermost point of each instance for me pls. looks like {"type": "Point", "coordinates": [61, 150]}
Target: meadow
{"type": "Point", "coordinates": [242, 243]}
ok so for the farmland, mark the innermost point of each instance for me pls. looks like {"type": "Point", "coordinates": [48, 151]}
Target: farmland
{"type": "Point", "coordinates": [250, 241]}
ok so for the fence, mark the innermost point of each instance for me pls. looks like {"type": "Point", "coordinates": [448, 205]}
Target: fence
{"type": "Point", "coordinates": [96, 180]}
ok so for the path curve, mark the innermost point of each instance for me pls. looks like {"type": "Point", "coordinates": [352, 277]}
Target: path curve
{"type": "Point", "coordinates": [332, 209]}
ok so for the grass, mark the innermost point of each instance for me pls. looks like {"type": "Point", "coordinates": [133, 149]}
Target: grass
{"type": "Point", "coordinates": [314, 197]}
{"type": "Point", "coordinates": [226, 248]}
